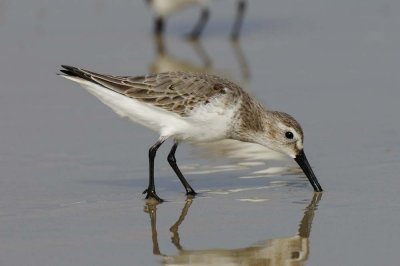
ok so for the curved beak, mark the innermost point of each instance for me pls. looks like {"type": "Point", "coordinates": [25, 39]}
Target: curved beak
{"type": "Point", "coordinates": [301, 159]}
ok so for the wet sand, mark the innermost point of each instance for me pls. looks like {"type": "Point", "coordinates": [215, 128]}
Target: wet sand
{"type": "Point", "coordinates": [73, 171]}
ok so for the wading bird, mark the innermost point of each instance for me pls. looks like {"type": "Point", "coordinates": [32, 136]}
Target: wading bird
{"type": "Point", "coordinates": [194, 107]}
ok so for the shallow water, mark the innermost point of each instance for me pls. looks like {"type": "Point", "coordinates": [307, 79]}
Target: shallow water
{"type": "Point", "coordinates": [73, 171]}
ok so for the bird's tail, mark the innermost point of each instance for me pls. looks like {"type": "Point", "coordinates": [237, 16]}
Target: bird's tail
{"type": "Point", "coordinates": [74, 72]}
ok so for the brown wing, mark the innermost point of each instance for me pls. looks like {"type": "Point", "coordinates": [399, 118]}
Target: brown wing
{"type": "Point", "coordinates": [177, 92]}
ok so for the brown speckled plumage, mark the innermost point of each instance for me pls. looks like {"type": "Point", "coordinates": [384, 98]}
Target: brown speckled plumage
{"type": "Point", "coordinates": [177, 92]}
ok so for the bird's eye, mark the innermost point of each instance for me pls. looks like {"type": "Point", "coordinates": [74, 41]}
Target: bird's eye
{"type": "Point", "coordinates": [289, 135]}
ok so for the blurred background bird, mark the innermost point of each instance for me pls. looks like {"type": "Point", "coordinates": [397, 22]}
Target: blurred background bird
{"type": "Point", "coordinates": [162, 9]}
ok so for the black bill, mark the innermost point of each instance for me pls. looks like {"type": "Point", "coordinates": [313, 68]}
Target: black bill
{"type": "Point", "coordinates": [301, 159]}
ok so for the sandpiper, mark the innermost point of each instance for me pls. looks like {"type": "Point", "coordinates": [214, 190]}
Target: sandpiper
{"type": "Point", "coordinates": [164, 8]}
{"type": "Point", "coordinates": [194, 107]}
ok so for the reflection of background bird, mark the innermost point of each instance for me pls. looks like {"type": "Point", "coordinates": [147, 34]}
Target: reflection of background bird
{"type": "Point", "coordinates": [164, 8]}
{"type": "Point", "coordinates": [165, 61]}
{"type": "Point", "coordinates": [280, 251]}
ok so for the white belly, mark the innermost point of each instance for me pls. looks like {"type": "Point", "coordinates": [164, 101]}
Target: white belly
{"type": "Point", "coordinates": [204, 123]}
{"type": "Point", "coordinates": [209, 122]}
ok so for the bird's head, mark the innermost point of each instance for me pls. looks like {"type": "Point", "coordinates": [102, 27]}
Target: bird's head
{"type": "Point", "coordinates": [285, 135]}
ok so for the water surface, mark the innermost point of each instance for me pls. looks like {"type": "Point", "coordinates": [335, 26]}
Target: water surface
{"type": "Point", "coordinates": [73, 171]}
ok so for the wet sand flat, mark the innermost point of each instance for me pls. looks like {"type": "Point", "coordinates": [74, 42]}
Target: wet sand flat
{"type": "Point", "coordinates": [72, 171]}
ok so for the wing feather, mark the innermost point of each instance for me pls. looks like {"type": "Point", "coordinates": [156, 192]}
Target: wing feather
{"type": "Point", "coordinates": [178, 92]}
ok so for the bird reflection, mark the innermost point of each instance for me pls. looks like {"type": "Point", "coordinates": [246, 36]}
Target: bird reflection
{"type": "Point", "coordinates": [240, 156]}
{"type": "Point", "coordinates": [164, 8]}
{"type": "Point", "coordinates": [292, 250]}
{"type": "Point", "coordinates": [165, 61]}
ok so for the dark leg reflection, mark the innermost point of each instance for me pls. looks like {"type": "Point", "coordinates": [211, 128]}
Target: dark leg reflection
{"type": "Point", "coordinates": [292, 250]}
{"type": "Point", "coordinates": [151, 209]}
{"type": "Point", "coordinates": [175, 239]}
{"type": "Point", "coordinates": [242, 61]}
{"type": "Point", "coordinates": [202, 54]}
{"type": "Point", "coordinates": [306, 222]}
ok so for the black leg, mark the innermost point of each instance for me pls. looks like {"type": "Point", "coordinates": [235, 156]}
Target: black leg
{"type": "Point", "coordinates": [238, 20]}
{"type": "Point", "coordinates": [159, 26]}
{"type": "Point", "coordinates": [198, 28]}
{"type": "Point", "coordinates": [172, 162]}
{"type": "Point", "coordinates": [151, 190]}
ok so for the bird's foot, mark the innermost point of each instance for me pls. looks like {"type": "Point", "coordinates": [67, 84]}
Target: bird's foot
{"type": "Point", "coordinates": [190, 193]}
{"type": "Point", "coordinates": [151, 194]}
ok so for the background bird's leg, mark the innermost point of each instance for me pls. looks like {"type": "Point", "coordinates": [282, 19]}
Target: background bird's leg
{"type": "Point", "coordinates": [151, 190]}
{"type": "Point", "coordinates": [237, 24]}
{"type": "Point", "coordinates": [172, 162]}
{"type": "Point", "coordinates": [198, 28]}
{"type": "Point", "coordinates": [159, 26]}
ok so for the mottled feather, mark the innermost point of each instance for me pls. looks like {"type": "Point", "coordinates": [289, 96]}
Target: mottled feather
{"type": "Point", "coordinates": [178, 92]}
